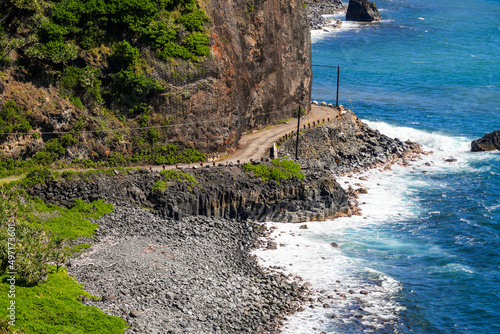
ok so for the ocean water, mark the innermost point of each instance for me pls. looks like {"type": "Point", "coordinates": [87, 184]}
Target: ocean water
{"type": "Point", "coordinates": [424, 256]}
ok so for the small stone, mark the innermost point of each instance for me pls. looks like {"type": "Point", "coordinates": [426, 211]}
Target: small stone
{"type": "Point", "coordinates": [363, 292]}
{"type": "Point", "coordinates": [108, 298]}
{"type": "Point", "coordinates": [303, 227]}
{"type": "Point", "coordinates": [326, 305]}
{"type": "Point", "coordinates": [334, 245]}
{"type": "Point", "coordinates": [134, 313]}
{"type": "Point", "coordinates": [362, 191]}
{"type": "Point", "coordinates": [272, 245]}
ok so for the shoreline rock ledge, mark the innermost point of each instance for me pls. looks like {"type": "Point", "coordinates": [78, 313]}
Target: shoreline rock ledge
{"type": "Point", "coordinates": [490, 142]}
{"type": "Point", "coordinates": [363, 11]}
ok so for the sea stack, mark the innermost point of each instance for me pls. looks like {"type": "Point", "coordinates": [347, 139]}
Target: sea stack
{"type": "Point", "coordinates": [490, 142]}
{"type": "Point", "coordinates": [362, 10]}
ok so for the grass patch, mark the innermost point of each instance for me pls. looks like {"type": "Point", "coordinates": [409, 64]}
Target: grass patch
{"type": "Point", "coordinates": [55, 307]}
{"type": "Point", "coordinates": [173, 175]}
{"type": "Point", "coordinates": [281, 169]}
{"type": "Point", "coordinates": [67, 223]}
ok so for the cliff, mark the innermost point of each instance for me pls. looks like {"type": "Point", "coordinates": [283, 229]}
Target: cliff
{"type": "Point", "coordinates": [150, 82]}
{"type": "Point", "coordinates": [220, 192]}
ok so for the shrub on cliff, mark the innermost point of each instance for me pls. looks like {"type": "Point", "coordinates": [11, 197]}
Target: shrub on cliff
{"type": "Point", "coordinates": [176, 176]}
{"type": "Point", "coordinates": [281, 169]}
{"type": "Point", "coordinates": [12, 119]}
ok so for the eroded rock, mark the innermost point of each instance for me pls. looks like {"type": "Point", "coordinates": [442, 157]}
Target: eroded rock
{"type": "Point", "coordinates": [362, 10]}
{"type": "Point", "coordinates": [490, 142]}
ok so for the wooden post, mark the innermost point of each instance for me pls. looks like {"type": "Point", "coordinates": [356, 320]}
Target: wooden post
{"type": "Point", "coordinates": [338, 81]}
{"type": "Point", "coordinates": [298, 130]}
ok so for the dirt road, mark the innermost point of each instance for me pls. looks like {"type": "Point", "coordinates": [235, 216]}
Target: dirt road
{"type": "Point", "coordinates": [254, 145]}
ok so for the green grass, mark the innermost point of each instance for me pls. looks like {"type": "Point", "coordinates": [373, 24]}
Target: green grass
{"type": "Point", "coordinates": [55, 307]}
{"type": "Point", "coordinates": [173, 175]}
{"type": "Point", "coordinates": [67, 223]}
{"type": "Point", "coordinates": [280, 170]}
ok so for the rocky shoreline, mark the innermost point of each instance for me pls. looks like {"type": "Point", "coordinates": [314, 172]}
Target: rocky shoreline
{"type": "Point", "coordinates": [179, 261]}
{"type": "Point", "coordinates": [347, 146]}
{"type": "Point", "coordinates": [193, 275]}
{"type": "Point", "coordinates": [317, 8]}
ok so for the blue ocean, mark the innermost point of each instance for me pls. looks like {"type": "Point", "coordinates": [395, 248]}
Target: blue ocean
{"type": "Point", "coordinates": [424, 256]}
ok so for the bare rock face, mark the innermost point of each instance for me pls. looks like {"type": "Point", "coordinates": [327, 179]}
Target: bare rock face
{"type": "Point", "coordinates": [259, 72]}
{"type": "Point", "coordinates": [362, 10]}
{"type": "Point", "coordinates": [490, 142]}
{"type": "Point", "coordinates": [263, 50]}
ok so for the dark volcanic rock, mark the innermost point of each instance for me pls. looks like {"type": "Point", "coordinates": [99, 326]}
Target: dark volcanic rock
{"type": "Point", "coordinates": [346, 145]}
{"type": "Point", "coordinates": [221, 192]}
{"type": "Point", "coordinates": [317, 8]}
{"type": "Point", "coordinates": [193, 275]}
{"type": "Point", "coordinates": [362, 10]}
{"type": "Point", "coordinates": [490, 142]}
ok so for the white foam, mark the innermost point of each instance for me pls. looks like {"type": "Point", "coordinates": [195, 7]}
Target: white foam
{"type": "Point", "coordinates": [391, 199]}
{"type": "Point", "coordinates": [319, 34]}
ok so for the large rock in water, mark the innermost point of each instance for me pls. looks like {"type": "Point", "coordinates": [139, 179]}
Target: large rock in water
{"type": "Point", "coordinates": [490, 142]}
{"type": "Point", "coordinates": [362, 10]}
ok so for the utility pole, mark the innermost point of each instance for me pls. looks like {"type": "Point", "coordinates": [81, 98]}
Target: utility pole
{"type": "Point", "coordinates": [338, 81]}
{"type": "Point", "coordinates": [298, 131]}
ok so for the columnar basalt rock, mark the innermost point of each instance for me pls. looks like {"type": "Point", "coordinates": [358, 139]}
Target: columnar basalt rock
{"type": "Point", "coordinates": [222, 192]}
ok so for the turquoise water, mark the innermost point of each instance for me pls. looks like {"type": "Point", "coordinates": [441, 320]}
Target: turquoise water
{"type": "Point", "coordinates": [430, 239]}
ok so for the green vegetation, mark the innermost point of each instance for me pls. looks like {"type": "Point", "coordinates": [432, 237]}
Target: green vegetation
{"type": "Point", "coordinates": [67, 223]}
{"type": "Point", "coordinates": [295, 113]}
{"type": "Point", "coordinates": [55, 31]}
{"type": "Point", "coordinates": [12, 119]}
{"type": "Point", "coordinates": [281, 169]}
{"type": "Point", "coordinates": [113, 61]}
{"type": "Point", "coordinates": [55, 307]}
{"type": "Point", "coordinates": [43, 236]}
{"type": "Point", "coordinates": [173, 175]}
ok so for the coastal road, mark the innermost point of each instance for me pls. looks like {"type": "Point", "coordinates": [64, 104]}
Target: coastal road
{"type": "Point", "coordinates": [251, 145]}
{"type": "Point", "coordinates": [254, 145]}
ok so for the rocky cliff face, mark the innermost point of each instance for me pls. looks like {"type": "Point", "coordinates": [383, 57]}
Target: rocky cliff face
{"type": "Point", "coordinates": [258, 71]}
{"type": "Point", "coordinates": [264, 54]}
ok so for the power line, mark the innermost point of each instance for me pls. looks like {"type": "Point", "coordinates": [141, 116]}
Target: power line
{"type": "Point", "coordinates": [146, 127]}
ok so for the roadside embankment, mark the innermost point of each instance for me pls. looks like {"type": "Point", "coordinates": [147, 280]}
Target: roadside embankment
{"type": "Point", "coordinates": [348, 145]}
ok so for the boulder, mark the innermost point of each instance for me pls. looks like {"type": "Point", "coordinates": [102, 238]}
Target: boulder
{"type": "Point", "coordinates": [490, 142]}
{"type": "Point", "coordinates": [362, 10]}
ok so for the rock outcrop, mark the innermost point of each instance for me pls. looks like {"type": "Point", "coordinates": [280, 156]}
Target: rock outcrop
{"type": "Point", "coordinates": [489, 142]}
{"type": "Point", "coordinates": [317, 8]}
{"type": "Point", "coordinates": [346, 145]}
{"type": "Point", "coordinates": [222, 192]}
{"type": "Point", "coordinates": [362, 10]}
